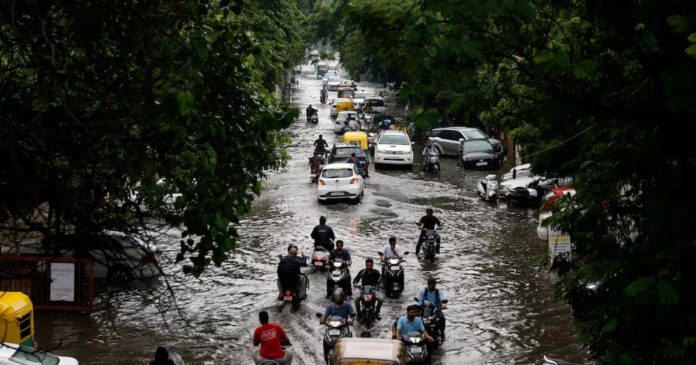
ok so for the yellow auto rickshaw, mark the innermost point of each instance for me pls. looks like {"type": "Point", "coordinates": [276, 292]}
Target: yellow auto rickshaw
{"type": "Point", "coordinates": [340, 105]}
{"type": "Point", "coordinates": [357, 137]}
{"type": "Point", "coordinates": [368, 351]}
{"type": "Point", "coordinates": [16, 318]}
{"type": "Point", "coordinates": [345, 92]}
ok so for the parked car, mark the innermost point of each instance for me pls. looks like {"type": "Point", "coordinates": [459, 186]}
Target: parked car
{"type": "Point", "coordinates": [448, 140]}
{"type": "Point", "coordinates": [393, 148]}
{"type": "Point", "coordinates": [340, 121]}
{"type": "Point", "coordinates": [477, 154]}
{"type": "Point", "coordinates": [340, 181]}
{"type": "Point", "coordinates": [14, 354]}
{"type": "Point", "coordinates": [118, 258]}
{"type": "Point", "coordinates": [340, 152]}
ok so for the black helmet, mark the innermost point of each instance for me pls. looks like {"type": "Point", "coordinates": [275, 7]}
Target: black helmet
{"type": "Point", "coordinates": [322, 220]}
{"type": "Point", "coordinates": [432, 281]}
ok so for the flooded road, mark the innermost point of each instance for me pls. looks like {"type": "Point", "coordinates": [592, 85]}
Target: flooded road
{"type": "Point", "coordinates": [500, 311]}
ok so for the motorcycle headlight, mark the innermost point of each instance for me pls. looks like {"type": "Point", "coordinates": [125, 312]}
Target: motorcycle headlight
{"type": "Point", "coordinates": [426, 320]}
{"type": "Point", "coordinates": [335, 324]}
{"type": "Point", "coordinates": [415, 340]}
{"type": "Point", "coordinates": [367, 297]}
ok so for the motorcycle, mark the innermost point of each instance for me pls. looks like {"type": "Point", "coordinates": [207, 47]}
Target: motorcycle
{"type": "Point", "coordinates": [337, 277]}
{"type": "Point", "coordinates": [432, 164]}
{"type": "Point", "coordinates": [323, 96]}
{"type": "Point", "coordinates": [270, 361]}
{"type": "Point", "coordinates": [315, 165]}
{"type": "Point", "coordinates": [393, 274]}
{"type": "Point", "coordinates": [429, 250]}
{"type": "Point", "coordinates": [314, 119]}
{"type": "Point", "coordinates": [416, 348]}
{"type": "Point", "coordinates": [320, 259]}
{"type": "Point", "coordinates": [530, 195]}
{"type": "Point", "coordinates": [368, 299]}
{"type": "Point", "coordinates": [336, 329]}
{"type": "Point", "coordinates": [432, 322]}
{"type": "Point", "coordinates": [488, 188]}
{"type": "Point", "coordinates": [292, 295]}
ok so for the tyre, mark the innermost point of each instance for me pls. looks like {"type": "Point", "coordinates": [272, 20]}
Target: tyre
{"type": "Point", "coordinates": [119, 275]}
{"type": "Point", "coordinates": [295, 303]}
{"type": "Point", "coordinates": [367, 315]}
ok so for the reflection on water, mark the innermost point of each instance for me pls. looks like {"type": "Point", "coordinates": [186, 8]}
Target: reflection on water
{"type": "Point", "coordinates": [500, 311]}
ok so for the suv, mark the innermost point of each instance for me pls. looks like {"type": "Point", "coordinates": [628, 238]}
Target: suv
{"type": "Point", "coordinates": [448, 140]}
{"type": "Point", "coordinates": [393, 148]}
{"type": "Point", "coordinates": [118, 257]}
{"type": "Point", "coordinates": [341, 153]}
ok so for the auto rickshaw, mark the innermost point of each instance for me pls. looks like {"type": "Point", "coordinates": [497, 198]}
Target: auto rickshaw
{"type": "Point", "coordinates": [368, 351]}
{"type": "Point", "coordinates": [16, 318]}
{"type": "Point", "coordinates": [345, 92]}
{"type": "Point", "coordinates": [357, 137]}
{"type": "Point", "coordinates": [340, 105]}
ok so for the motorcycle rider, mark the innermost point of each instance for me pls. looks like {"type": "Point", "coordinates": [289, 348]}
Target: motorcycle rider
{"type": "Point", "coordinates": [370, 276]}
{"type": "Point", "coordinates": [411, 322]}
{"type": "Point", "coordinates": [290, 275]}
{"type": "Point", "coordinates": [340, 253]}
{"type": "Point", "coordinates": [271, 336]}
{"type": "Point", "coordinates": [391, 251]}
{"type": "Point", "coordinates": [339, 307]}
{"type": "Point", "coordinates": [354, 160]}
{"type": "Point", "coordinates": [428, 222]}
{"type": "Point", "coordinates": [310, 111]}
{"type": "Point", "coordinates": [353, 124]}
{"type": "Point", "coordinates": [320, 146]}
{"type": "Point", "coordinates": [324, 94]}
{"type": "Point", "coordinates": [435, 296]}
{"type": "Point", "coordinates": [323, 235]}
{"type": "Point", "coordinates": [430, 150]}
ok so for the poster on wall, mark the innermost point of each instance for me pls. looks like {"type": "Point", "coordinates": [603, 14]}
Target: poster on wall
{"type": "Point", "coordinates": [559, 243]}
{"type": "Point", "coordinates": [62, 282]}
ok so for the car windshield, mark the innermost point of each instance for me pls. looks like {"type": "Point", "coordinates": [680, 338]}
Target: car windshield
{"type": "Point", "coordinates": [376, 102]}
{"type": "Point", "coordinates": [478, 146]}
{"type": "Point", "coordinates": [397, 139]}
{"type": "Point", "coordinates": [346, 151]}
{"type": "Point", "coordinates": [337, 173]}
{"type": "Point", "coordinates": [31, 356]}
{"type": "Point", "coordinates": [334, 79]}
{"type": "Point", "coordinates": [474, 134]}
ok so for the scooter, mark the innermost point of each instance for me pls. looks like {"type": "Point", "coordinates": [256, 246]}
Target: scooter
{"type": "Point", "coordinates": [336, 329]}
{"type": "Point", "coordinates": [429, 243]}
{"type": "Point", "coordinates": [292, 295]}
{"type": "Point", "coordinates": [393, 274]}
{"type": "Point", "coordinates": [320, 259]}
{"type": "Point", "coordinates": [337, 277]}
{"type": "Point", "coordinates": [269, 361]}
{"type": "Point", "coordinates": [530, 195]}
{"type": "Point", "coordinates": [432, 164]}
{"type": "Point", "coordinates": [416, 348]}
{"type": "Point", "coordinates": [323, 96]}
{"type": "Point", "coordinates": [488, 188]}
{"type": "Point", "coordinates": [315, 164]}
{"type": "Point", "coordinates": [432, 322]}
{"type": "Point", "coordinates": [368, 299]}
{"type": "Point", "coordinates": [314, 119]}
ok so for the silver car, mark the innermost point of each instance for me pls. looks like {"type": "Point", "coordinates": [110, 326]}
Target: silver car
{"type": "Point", "coordinates": [448, 139]}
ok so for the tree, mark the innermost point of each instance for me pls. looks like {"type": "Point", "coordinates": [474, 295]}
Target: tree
{"type": "Point", "coordinates": [600, 91]}
{"type": "Point", "coordinates": [110, 107]}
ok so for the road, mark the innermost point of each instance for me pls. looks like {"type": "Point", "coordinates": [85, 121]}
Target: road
{"type": "Point", "coordinates": [501, 307]}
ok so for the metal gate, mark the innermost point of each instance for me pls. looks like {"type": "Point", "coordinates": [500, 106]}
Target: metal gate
{"type": "Point", "coordinates": [32, 275]}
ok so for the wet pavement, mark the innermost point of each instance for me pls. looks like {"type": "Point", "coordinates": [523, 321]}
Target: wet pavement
{"type": "Point", "coordinates": [501, 308]}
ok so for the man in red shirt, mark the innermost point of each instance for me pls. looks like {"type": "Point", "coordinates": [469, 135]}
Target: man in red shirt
{"type": "Point", "coordinates": [271, 336]}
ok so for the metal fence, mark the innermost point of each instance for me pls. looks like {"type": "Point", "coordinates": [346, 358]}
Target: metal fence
{"type": "Point", "coordinates": [31, 275]}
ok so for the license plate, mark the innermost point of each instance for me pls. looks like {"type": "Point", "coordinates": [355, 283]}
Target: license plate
{"type": "Point", "coordinates": [318, 263]}
{"type": "Point", "coordinates": [287, 298]}
{"type": "Point", "coordinates": [481, 163]}
{"type": "Point", "coordinates": [336, 193]}
{"type": "Point", "coordinates": [334, 332]}
{"type": "Point", "coordinates": [416, 350]}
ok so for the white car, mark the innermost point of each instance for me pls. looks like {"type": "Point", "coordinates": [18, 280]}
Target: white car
{"type": "Point", "coordinates": [325, 79]}
{"type": "Point", "coordinates": [341, 120]}
{"type": "Point", "coordinates": [340, 181]}
{"type": "Point", "coordinates": [376, 102]}
{"type": "Point", "coordinates": [13, 354]}
{"type": "Point", "coordinates": [359, 99]}
{"type": "Point", "coordinates": [332, 83]}
{"type": "Point", "coordinates": [118, 258]}
{"type": "Point", "coordinates": [393, 148]}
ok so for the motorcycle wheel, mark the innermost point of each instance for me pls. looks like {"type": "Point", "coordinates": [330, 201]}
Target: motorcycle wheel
{"type": "Point", "coordinates": [295, 303]}
{"type": "Point", "coordinates": [367, 317]}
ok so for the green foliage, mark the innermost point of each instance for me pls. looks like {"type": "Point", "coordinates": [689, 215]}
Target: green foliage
{"type": "Point", "coordinates": [102, 100]}
{"type": "Point", "coordinates": [600, 91]}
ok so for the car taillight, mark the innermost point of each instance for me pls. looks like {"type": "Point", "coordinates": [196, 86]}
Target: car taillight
{"type": "Point", "coordinates": [354, 180]}
{"type": "Point", "coordinates": [319, 258]}
{"type": "Point", "coordinates": [321, 182]}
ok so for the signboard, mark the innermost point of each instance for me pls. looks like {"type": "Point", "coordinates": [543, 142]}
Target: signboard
{"type": "Point", "coordinates": [559, 243]}
{"type": "Point", "coordinates": [62, 282]}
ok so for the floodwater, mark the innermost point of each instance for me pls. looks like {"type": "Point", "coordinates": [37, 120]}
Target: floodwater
{"type": "Point", "coordinates": [501, 308]}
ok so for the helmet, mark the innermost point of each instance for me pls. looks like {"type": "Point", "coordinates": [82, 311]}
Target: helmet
{"type": "Point", "coordinates": [339, 293]}
{"type": "Point", "coordinates": [432, 281]}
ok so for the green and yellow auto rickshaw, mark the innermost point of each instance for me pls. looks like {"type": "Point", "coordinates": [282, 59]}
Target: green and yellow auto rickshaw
{"type": "Point", "coordinates": [16, 318]}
